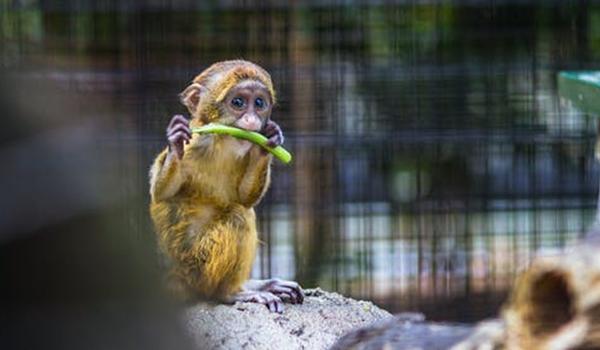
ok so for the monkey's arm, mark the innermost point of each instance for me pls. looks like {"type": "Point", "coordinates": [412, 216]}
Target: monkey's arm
{"type": "Point", "coordinates": [258, 173]}
{"type": "Point", "coordinates": [256, 178]}
{"type": "Point", "coordinates": [166, 176]}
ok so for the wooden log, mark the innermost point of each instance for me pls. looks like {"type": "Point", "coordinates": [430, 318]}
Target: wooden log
{"type": "Point", "coordinates": [554, 305]}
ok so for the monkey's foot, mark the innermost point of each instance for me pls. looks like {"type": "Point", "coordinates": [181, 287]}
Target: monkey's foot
{"type": "Point", "coordinates": [268, 299]}
{"type": "Point", "coordinates": [288, 291]}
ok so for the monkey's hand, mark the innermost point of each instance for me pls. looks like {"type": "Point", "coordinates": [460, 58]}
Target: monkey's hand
{"type": "Point", "coordinates": [270, 300]}
{"type": "Point", "coordinates": [178, 132]}
{"type": "Point", "coordinates": [288, 291]}
{"type": "Point", "coordinates": [273, 132]}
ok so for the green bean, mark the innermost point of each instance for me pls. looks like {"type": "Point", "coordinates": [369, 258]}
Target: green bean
{"type": "Point", "coordinates": [279, 152]}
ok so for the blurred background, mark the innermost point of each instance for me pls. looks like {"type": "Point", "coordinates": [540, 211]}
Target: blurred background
{"type": "Point", "coordinates": [433, 154]}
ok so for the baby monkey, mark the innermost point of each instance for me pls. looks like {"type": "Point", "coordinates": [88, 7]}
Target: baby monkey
{"type": "Point", "coordinates": [204, 187]}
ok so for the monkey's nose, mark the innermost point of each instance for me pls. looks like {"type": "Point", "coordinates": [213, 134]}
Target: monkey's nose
{"type": "Point", "coordinates": [251, 124]}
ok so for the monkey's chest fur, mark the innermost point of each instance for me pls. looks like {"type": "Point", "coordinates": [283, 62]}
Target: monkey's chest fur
{"type": "Point", "coordinates": [208, 238]}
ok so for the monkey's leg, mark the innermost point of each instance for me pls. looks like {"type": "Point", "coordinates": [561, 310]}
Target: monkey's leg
{"type": "Point", "coordinates": [225, 274]}
{"type": "Point", "coordinates": [288, 291]}
{"type": "Point", "coordinates": [214, 258]}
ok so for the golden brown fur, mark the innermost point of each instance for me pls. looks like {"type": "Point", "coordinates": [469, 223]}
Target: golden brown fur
{"type": "Point", "coordinates": [202, 204]}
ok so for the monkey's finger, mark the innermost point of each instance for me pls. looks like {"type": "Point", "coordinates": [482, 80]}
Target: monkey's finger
{"type": "Point", "coordinates": [300, 293]}
{"type": "Point", "coordinates": [270, 304]}
{"type": "Point", "coordinates": [273, 129]}
{"type": "Point", "coordinates": [274, 141]}
{"type": "Point", "coordinates": [277, 133]}
{"type": "Point", "coordinates": [260, 300]}
{"type": "Point", "coordinates": [255, 298]}
{"type": "Point", "coordinates": [298, 297]}
{"type": "Point", "coordinates": [292, 290]}
{"type": "Point", "coordinates": [285, 293]}
{"type": "Point", "coordinates": [280, 306]}
{"type": "Point", "coordinates": [275, 303]}
{"type": "Point", "coordinates": [179, 127]}
{"type": "Point", "coordinates": [290, 284]}
{"type": "Point", "coordinates": [295, 287]}
{"type": "Point", "coordinates": [179, 140]}
{"type": "Point", "coordinates": [178, 118]}
{"type": "Point", "coordinates": [290, 297]}
{"type": "Point", "coordinates": [273, 306]}
{"type": "Point", "coordinates": [182, 122]}
{"type": "Point", "coordinates": [178, 136]}
{"type": "Point", "coordinates": [269, 129]}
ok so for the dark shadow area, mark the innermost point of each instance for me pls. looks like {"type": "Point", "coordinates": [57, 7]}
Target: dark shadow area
{"type": "Point", "coordinates": [552, 303]}
{"type": "Point", "coordinates": [74, 276]}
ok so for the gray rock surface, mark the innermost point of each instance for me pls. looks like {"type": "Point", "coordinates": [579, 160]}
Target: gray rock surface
{"type": "Point", "coordinates": [316, 324]}
{"type": "Point", "coordinates": [407, 331]}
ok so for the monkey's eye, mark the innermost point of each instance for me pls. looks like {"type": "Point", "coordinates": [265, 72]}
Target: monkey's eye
{"type": "Point", "coordinates": [260, 103]}
{"type": "Point", "coordinates": [237, 102]}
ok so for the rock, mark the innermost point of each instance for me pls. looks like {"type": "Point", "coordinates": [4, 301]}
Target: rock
{"type": "Point", "coordinates": [316, 324]}
{"type": "Point", "coordinates": [407, 331]}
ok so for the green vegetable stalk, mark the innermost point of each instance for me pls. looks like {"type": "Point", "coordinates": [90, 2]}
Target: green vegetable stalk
{"type": "Point", "coordinates": [279, 152]}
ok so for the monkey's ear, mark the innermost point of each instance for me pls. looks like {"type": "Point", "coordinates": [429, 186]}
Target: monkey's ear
{"type": "Point", "coordinates": [191, 96]}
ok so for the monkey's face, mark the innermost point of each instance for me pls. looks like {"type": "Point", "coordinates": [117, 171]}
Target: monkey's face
{"type": "Point", "coordinates": [247, 106]}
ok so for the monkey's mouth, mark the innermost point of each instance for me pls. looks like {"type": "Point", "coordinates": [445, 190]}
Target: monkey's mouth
{"type": "Point", "coordinates": [255, 129]}
{"type": "Point", "coordinates": [247, 125]}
